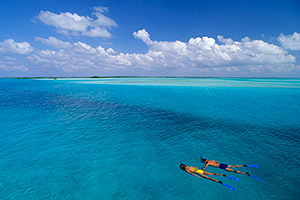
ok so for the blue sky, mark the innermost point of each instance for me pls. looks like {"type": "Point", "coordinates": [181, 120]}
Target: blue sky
{"type": "Point", "coordinates": [150, 38]}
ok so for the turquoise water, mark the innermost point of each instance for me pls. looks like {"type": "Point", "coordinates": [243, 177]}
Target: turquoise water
{"type": "Point", "coordinates": [125, 138]}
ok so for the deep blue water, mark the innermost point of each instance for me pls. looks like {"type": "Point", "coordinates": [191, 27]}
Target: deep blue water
{"type": "Point", "coordinates": [125, 138]}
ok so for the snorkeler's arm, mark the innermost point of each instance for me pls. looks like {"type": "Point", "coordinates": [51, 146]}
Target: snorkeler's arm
{"type": "Point", "coordinates": [205, 166]}
{"type": "Point", "coordinates": [204, 176]}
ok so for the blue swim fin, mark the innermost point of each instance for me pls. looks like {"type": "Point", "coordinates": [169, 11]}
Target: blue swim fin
{"type": "Point", "coordinates": [256, 178]}
{"type": "Point", "coordinates": [229, 186]}
{"type": "Point", "coordinates": [254, 166]}
{"type": "Point", "coordinates": [232, 178]}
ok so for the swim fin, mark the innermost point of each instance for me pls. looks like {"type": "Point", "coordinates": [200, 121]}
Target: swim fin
{"type": "Point", "coordinates": [232, 178]}
{"type": "Point", "coordinates": [229, 186]}
{"type": "Point", "coordinates": [256, 178]}
{"type": "Point", "coordinates": [254, 166]}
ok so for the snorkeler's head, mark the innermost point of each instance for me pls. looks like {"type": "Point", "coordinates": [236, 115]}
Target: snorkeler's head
{"type": "Point", "coordinates": [202, 159]}
{"type": "Point", "coordinates": [182, 166]}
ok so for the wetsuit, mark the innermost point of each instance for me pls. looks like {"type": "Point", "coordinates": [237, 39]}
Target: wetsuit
{"type": "Point", "coordinates": [198, 171]}
{"type": "Point", "coordinates": [223, 166]}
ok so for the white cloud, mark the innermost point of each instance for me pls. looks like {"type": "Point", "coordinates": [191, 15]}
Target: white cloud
{"type": "Point", "coordinates": [198, 55]}
{"type": "Point", "coordinates": [142, 35]}
{"type": "Point", "coordinates": [225, 41]}
{"type": "Point", "coordinates": [54, 42]}
{"type": "Point", "coordinates": [200, 52]}
{"type": "Point", "coordinates": [97, 32]}
{"type": "Point", "coordinates": [291, 42]}
{"type": "Point", "coordinates": [73, 24]}
{"type": "Point", "coordinates": [9, 46]}
{"type": "Point", "coordinates": [102, 20]}
{"type": "Point", "coordinates": [8, 63]}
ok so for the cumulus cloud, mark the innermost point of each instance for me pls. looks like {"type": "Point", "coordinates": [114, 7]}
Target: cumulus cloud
{"type": "Point", "coordinates": [54, 42]}
{"type": "Point", "coordinates": [73, 24]}
{"type": "Point", "coordinates": [142, 35]}
{"type": "Point", "coordinates": [225, 41]}
{"type": "Point", "coordinates": [8, 63]}
{"type": "Point", "coordinates": [81, 56]}
{"type": "Point", "coordinates": [291, 42]}
{"type": "Point", "coordinates": [199, 54]}
{"type": "Point", "coordinates": [9, 46]}
{"type": "Point", "coordinates": [204, 51]}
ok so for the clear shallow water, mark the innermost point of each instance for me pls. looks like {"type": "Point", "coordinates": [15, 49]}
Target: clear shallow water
{"type": "Point", "coordinates": [125, 138]}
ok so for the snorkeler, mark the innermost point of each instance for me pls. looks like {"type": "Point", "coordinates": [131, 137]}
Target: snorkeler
{"type": "Point", "coordinates": [214, 163]}
{"type": "Point", "coordinates": [227, 167]}
{"type": "Point", "coordinates": [200, 173]}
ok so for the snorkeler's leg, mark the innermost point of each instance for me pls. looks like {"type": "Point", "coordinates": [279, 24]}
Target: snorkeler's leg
{"type": "Point", "coordinates": [226, 185]}
{"type": "Point", "coordinates": [204, 176]}
{"type": "Point", "coordinates": [239, 172]}
{"type": "Point", "coordinates": [233, 166]}
{"type": "Point", "coordinates": [208, 173]}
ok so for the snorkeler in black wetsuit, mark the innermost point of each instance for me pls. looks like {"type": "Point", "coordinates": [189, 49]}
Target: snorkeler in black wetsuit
{"type": "Point", "coordinates": [214, 163]}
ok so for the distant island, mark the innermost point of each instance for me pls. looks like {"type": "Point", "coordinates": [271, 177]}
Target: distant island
{"type": "Point", "coordinates": [107, 77]}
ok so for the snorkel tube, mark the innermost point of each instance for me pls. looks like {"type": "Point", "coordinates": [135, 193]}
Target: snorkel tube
{"type": "Point", "coordinates": [202, 159]}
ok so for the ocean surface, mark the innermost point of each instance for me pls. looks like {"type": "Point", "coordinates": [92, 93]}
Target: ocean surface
{"type": "Point", "coordinates": [124, 138]}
